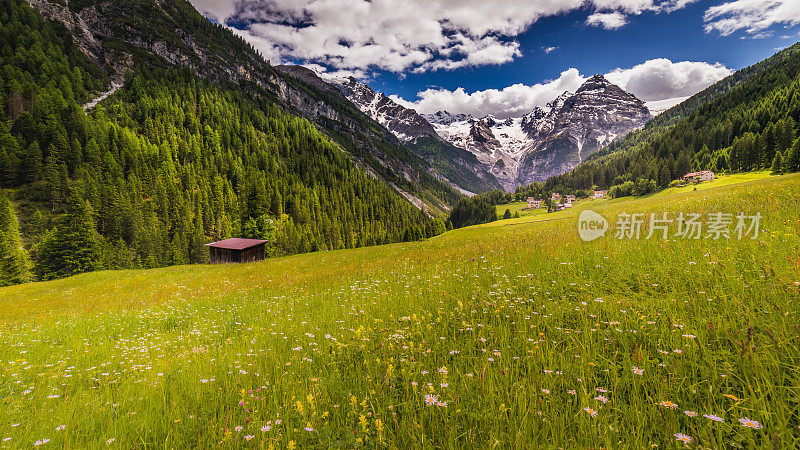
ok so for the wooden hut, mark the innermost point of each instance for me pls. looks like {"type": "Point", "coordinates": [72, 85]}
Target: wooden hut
{"type": "Point", "coordinates": [236, 250]}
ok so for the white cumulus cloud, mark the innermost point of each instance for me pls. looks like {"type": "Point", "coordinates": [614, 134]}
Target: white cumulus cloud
{"type": "Point", "coordinates": [512, 101]}
{"type": "Point", "coordinates": [660, 79]}
{"type": "Point", "coordinates": [752, 16]}
{"type": "Point", "coordinates": [609, 21]}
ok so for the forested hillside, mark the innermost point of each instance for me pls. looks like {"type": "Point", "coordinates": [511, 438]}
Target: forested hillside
{"type": "Point", "coordinates": [119, 36]}
{"type": "Point", "coordinates": [167, 164]}
{"type": "Point", "coordinates": [747, 121]}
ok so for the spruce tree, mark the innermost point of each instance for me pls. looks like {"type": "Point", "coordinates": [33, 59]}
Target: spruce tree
{"type": "Point", "coordinates": [14, 262]}
{"type": "Point", "coordinates": [71, 247]}
{"type": "Point", "coordinates": [793, 159]}
{"type": "Point", "coordinates": [664, 176]}
{"type": "Point", "coordinates": [777, 163]}
{"type": "Point", "coordinates": [682, 165]}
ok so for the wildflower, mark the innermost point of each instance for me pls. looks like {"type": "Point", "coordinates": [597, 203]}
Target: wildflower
{"type": "Point", "coordinates": [309, 429]}
{"type": "Point", "coordinates": [602, 399]}
{"type": "Point", "coordinates": [238, 428]}
{"type": "Point", "coordinates": [683, 438]}
{"type": "Point", "coordinates": [41, 442]}
{"type": "Point", "coordinates": [690, 413]}
{"type": "Point", "coordinates": [714, 417]}
{"type": "Point", "coordinates": [601, 390]}
{"type": "Point", "coordinates": [266, 428]}
{"type": "Point", "coordinates": [545, 391]}
{"type": "Point", "coordinates": [637, 370]}
{"type": "Point", "coordinates": [414, 383]}
{"type": "Point", "coordinates": [110, 441]}
{"type": "Point", "coordinates": [61, 427]}
{"type": "Point", "coordinates": [750, 423]}
{"type": "Point", "coordinates": [6, 439]}
{"type": "Point", "coordinates": [248, 437]}
{"type": "Point", "coordinates": [443, 370]}
{"type": "Point", "coordinates": [668, 404]}
{"type": "Point", "coordinates": [591, 412]}
{"type": "Point", "coordinates": [571, 392]}
{"type": "Point", "coordinates": [431, 399]}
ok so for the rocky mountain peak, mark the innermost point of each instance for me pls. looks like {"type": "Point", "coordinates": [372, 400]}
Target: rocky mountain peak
{"type": "Point", "coordinates": [559, 101]}
{"type": "Point", "coordinates": [445, 118]}
{"type": "Point", "coordinates": [403, 122]}
{"type": "Point", "coordinates": [599, 86]}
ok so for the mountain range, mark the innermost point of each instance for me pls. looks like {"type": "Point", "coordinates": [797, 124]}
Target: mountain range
{"type": "Point", "coordinates": [516, 151]}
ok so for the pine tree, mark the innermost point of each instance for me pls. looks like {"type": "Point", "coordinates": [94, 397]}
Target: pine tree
{"type": "Point", "coordinates": [793, 159]}
{"type": "Point", "coordinates": [777, 163]}
{"type": "Point", "coordinates": [664, 176]}
{"type": "Point", "coordinates": [14, 262]}
{"type": "Point", "coordinates": [71, 247]}
{"type": "Point", "coordinates": [682, 164]}
{"type": "Point", "coordinates": [31, 166]}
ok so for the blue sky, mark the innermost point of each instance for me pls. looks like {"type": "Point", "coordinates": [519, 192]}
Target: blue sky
{"type": "Point", "coordinates": [678, 36]}
{"type": "Point", "coordinates": [488, 56]}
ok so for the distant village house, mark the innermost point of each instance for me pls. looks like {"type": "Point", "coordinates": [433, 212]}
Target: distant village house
{"type": "Point", "coordinates": [697, 177]}
{"type": "Point", "coordinates": [237, 250]}
{"type": "Point", "coordinates": [555, 197]}
{"type": "Point", "coordinates": [600, 194]}
{"type": "Point", "coordinates": [569, 198]}
{"type": "Point", "coordinates": [534, 203]}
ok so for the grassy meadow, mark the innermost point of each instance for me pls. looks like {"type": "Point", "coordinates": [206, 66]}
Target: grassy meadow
{"type": "Point", "coordinates": [516, 334]}
{"type": "Point", "coordinates": [518, 207]}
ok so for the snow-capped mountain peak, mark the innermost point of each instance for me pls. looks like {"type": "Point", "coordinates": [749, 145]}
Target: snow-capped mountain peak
{"type": "Point", "coordinates": [445, 118]}
{"type": "Point", "coordinates": [519, 150]}
{"type": "Point", "coordinates": [547, 141]}
{"type": "Point", "coordinates": [403, 122]}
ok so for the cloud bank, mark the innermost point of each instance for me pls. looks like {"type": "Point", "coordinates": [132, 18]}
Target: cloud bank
{"type": "Point", "coordinates": [409, 35]}
{"type": "Point", "coordinates": [654, 80]}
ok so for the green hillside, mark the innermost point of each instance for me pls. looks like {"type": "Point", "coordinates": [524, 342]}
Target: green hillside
{"type": "Point", "coordinates": [742, 123]}
{"type": "Point", "coordinates": [515, 334]}
{"type": "Point", "coordinates": [176, 158]}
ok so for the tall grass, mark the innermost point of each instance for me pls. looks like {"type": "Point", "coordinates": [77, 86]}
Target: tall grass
{"type": "Point", "coordinates": [513, 335]}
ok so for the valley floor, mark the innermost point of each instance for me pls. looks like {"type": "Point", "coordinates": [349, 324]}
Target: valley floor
{"type": "Point", "coordinates": [513, 334]}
